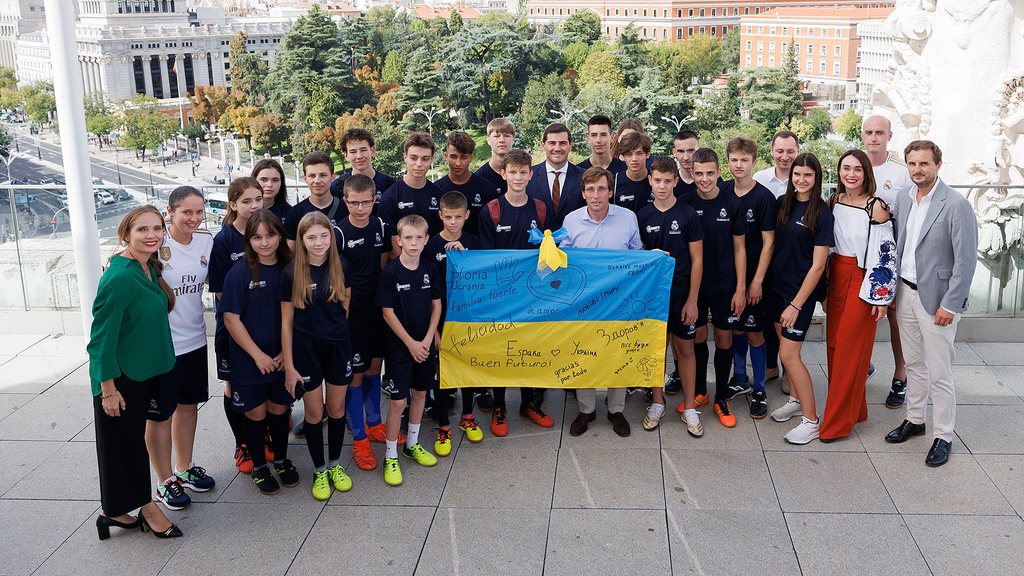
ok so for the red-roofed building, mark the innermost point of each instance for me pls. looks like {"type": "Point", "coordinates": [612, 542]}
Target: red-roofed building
{"type": "Point", "coordinates": [430, 12]}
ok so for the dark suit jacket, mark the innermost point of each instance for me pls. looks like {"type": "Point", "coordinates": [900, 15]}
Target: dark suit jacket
{"type": "Point", "coordinates": [570, 196]}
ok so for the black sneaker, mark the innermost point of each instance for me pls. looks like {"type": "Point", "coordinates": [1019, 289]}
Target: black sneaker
{"type": "Point", "coordinates": [172, 495]}
{"type": "Point", "coordinates": [673, 385]}
{"type": "Point", "coordinates": [758, 404]}
{"type": "Point", "coordinates": [432, 413]}
{"type": "Point", "coordinates": [736, 387]}
{"type": "Point", "coordinates": [485, 400]}
{"type": "Point", "coordinates": [897, 395]}
{"type": "Point", "coordinates": [289, 475]}
{"type": "Point", "coordinates": [265, 481]}
{"type": "Point", "coordinates": [299, 431]}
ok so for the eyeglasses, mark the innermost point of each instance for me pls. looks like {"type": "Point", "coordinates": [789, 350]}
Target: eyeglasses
{"type": "Point", "coordinates": [363, 204]}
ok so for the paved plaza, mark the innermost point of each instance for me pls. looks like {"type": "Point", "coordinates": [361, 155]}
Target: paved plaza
{"type": "Point", "coordinates": [737, 501]}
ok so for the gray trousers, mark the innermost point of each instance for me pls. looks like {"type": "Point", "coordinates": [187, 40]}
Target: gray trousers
{"type": "Point", "coordinates": [587, 398]}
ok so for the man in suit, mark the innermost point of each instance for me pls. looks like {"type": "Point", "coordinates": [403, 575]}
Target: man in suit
{"type": "Point", "coordinates": [936, 249]}
{"type": "Point", "coordinates": [556, 181]}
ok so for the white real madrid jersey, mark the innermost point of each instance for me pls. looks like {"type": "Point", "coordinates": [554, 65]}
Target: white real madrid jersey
{"type": "Point", "coordinates": [890, 178]}
{"type": "Point", "coordinates": [185, 269]}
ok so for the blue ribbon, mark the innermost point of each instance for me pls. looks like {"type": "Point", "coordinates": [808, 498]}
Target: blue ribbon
{"type": "Point", "coordinates": [537, 235]}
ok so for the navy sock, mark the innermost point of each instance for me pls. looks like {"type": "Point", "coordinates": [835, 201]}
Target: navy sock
{"type": "Point", "coordinates": [354, 407]}
{"type": "Point", "coordinates": [235, 420]}
{"type": "Point", "coordinates": [335, 437]}
{"type": "Point", "coordinates": [701, 353]}
{"type": "Point", "coordinates": [723, 358]}
{"type": "Point", "coordinates": [254, 438]}
{"type": "Point", "coordinates": [278, 425]}
{"type": "Point", "coordinates": [467, 400]}
{"type": "Point", "coordinates": [739, 357]}
{"type": "Point", "coordinates": [758, 364]}
{"type": "Point", "coordinates": [315, 443]}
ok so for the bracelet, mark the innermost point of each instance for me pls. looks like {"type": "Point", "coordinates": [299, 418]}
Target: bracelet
{"type": "Point", "coordinates": [798, 309]}
{"type": "Point", "coordinates": [108, 395]}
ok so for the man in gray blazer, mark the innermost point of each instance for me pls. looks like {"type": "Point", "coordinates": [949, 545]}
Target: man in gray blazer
{"type": "Point", "coordinates": [937, 245]}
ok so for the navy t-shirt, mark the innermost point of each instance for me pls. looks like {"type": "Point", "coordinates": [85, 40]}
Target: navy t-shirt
{"type": "Point", "coordinates": [632, 194]}
{"type": "Point", "coordinates": [477, 191]}
{"type": "Point", "coordinates": [381, 181]}
{"type": "Point", "coordinates": [228, 248]}
{"type": "Point", "coordinates": [672, 231]}
{"type": "Point", "coordinates": [513, 231]}
{"type": "Point", "coordinates": [488, 173]}
{"type": "Point", "coordinates": [435, 253]}
{"type": "Point", "coordinates": [295, 214]}
{"type": "Point", "coordinates": [363, 247]}
{"type": "Point", "coordinates": [794, 248]}
{"type": "Point", "coordinates": [402, 200]}
{"type": "Point", "coordinates": [721, 218]}
{"type": "Point", "coordinates": [260, 312]}
{"type": "Point", "coordinates": [759, 209]}
{"type": "Point", "coordinates": [280, 207]}
{"type": "Point", "coordinates": [683, 188]}
{"type": "Point", "coordinates": [409, 293]}
{"type": "Point", "coordinates": [615, 167]}
{"type": "Point", "coordinates": [320, 318]}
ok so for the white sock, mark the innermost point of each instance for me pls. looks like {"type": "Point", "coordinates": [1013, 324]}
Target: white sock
{"type": "Point", "coordinates": [168, 481]}
{"type": "Point", "coordinates": [791, 399]}
{"type": "Point", "coordinates": [391, 449]}
{"type": "Point", "coordinates": [190, 464]}
{"type": "Point", "coordinates": [413, 436]}
{"type": "Point", "coordinates": [808, 420]}
{"type": "Point", "coordinates": [690, 414]}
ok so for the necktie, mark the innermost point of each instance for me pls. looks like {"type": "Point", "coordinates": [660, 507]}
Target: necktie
{"type": "Point", "coordinates": [556, 191]}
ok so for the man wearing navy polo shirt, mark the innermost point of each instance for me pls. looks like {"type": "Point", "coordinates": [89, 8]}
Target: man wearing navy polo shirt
{"type": "Point", "coordinates": [556, 181]}
{"type": "Point", "coordinates": [600, 225]}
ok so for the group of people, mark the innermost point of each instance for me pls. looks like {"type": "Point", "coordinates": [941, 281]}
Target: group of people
{"type": "Point", "coordinates": [323, 294]}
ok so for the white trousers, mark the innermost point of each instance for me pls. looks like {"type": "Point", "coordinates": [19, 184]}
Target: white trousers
{"type": "Point", "coordinates": [928, 350]}
{"type": "Point", "coordinates": [587, 398]}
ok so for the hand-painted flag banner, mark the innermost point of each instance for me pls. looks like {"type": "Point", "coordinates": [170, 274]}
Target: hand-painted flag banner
{"type": "Point", "coordinates": [598, 323]}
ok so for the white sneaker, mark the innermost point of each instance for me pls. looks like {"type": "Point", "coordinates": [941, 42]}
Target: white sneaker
{"type": "Point", "coordinates": [803, 433]}
{"type": "Point", "coordinates": [654, 414]}
{"type": "Point", "coordinates": [788, 410]}
{"type": "Point", "coordinates": [693, 426]}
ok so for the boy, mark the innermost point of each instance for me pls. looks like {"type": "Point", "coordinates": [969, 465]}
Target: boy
{"type": "Point", "coordinates": [501, 133]}
{"type": "Point", "coordinates": [318, 172]}
{"type": "Point", "coordinates": [599, 137]}
{"type": "Point", "coordinates": [413, 194]}
{"type": "Point", "coordinates": [505, 225]}
{"type": "Point", "coordinates": [476, 189]}
{"type": "Point", "coordinates": [358, 146]}
{"type": "Point", "coordinates": [722, 288]}
{"type": "Point", "coordinates": [684, 144]}
{"type": "Point", "coordinates": [409, 294]}
{"type": "Point", "coordinates": [454, 214]}
{"type": "Point", "coordinates": [674, 227]}
{"type": "Point", "coordinates": [364, 243]}
{"type": "Point", "coordinates": [759, 208]}
{"type": "Point", "coordinates": [632, 187]}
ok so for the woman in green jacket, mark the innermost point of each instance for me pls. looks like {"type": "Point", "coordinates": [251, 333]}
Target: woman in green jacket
{"type": "Point", "coordinates": [130, 347]}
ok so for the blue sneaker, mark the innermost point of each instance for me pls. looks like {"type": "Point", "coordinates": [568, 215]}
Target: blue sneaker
{"type": "Point", "coordinates": [195, 479]}
{"type": "Point", "coordinates": [172, 495]}
{"type": "Point", "coordinates": [871, 369]}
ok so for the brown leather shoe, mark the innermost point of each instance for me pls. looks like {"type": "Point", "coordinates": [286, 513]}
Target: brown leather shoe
{"type": "Point", "coordinates": [580, 424]}
{"type": "Point", "coordinates": [619, 424]}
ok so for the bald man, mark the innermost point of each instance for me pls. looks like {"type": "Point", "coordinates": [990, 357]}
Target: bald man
{"type": "Point", "coordinates": [891, 176]}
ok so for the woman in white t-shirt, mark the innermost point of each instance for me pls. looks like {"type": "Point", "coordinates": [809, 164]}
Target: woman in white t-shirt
{"type": "Point", "coordinates": [185, 256]}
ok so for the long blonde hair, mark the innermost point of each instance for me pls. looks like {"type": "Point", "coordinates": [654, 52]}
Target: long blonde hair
{"type": "Point", "coordinates": [124, 231]}
{"type": "Point", "coordinates": [301, 290]}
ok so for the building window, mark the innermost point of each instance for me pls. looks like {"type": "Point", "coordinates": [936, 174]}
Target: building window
{"type": "Point", "coordinates": [748, 61]}
{"type": "Point", "coordinates": [634, 12]}
{"type": "Point", "coordinates": [837, 51]}
{"type": "Point", "coordinates": [559, 11]}
{"type": "Point", "coordinates": [785, 30]}
{"type": "Point", "coordinates": [702, 30]}
{"type": "Point", "coordinates": [746, 11]}
{"type": "Point", "coordinates": [760, 29]}
{"type": "Point", "coordinates": [810, 65]}
{"type": "Point", "coordinates": [821, 68]}
{"type": "Point", "coordinates": [654, 33]}
{"type": "Point", "coordinates": [760, 46]}
{"type": "Point", "coordinates": [607, 12]}
{"type": "Point", "coordinates": [664, 34]}
{"type": "Point", "coordinates": [616, 30]}
{"type": "Point", "coordinates": [773, 30]}
{"type": "Point", "coordinates": [797, 31]}
{"type": "Point", "coordinates": [810, 49]}
{"type": "Point", "coordinates": [824, 49]}
{"type": "Point", "coordinates": [531, 10]}
{"type": "Point", "coordinates": [664, 13]}
{"type": "Point", "coordinates": [689, 31]}
{"type": "Point", "coordinates": [771, 61]}
{"type": "Point", "coordinates": [796, 47]}
{"type": "Point", "coordinates": [645, 13]}
{"type": "Point", "coordinates": [679, 33]}
{"type": "Point", "coordinates": [749, 43]}
{"type": "Point", "coordinates": [835, 68]}
{"type": "Point", "coordinates": [757, 10]}
{"type": "Point", "coordinates": [749, 29]}
{"type": "Point", "coordinates": [785, 47]}
{"type": "Point", "coordinates": [760, 61]}
{"type": "Point", "coordinates": [607, 29]}
{"type": "Point", "coordinates": [839, 32]}
{"type": "Point", "coordinates": [713, 10]}
{"type": "Point", "coordinates": [714, 30]}
{"type": "Point", "coordinates": [810, 32]}
{"type": "Point", "coordinates": [691, 13]}
{"type": "Point", "coordinates": [771, 47]}
{"type": "Point", "coordinates": [824, 32]}
{"type": "Point", "coordinates": [701, 12]}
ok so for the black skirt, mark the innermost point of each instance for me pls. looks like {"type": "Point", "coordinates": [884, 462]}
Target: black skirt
{"type": "Point", "coordinates": [121, 448]}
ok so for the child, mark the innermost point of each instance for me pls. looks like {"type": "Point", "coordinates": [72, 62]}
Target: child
{"type": "Point", "coordinates": [413, 194]}
{"type": "Point", "coordinates": [505, 225]}
{"type": "Point", "coordinates": [476, 189]}
{"type": "Point", "coordinates": [674, 227]}
{"type": "Point", "coordinates": [270, 175]}
{"type": "Point", "coordinates": [632, 187]}
{"type": "Point", "coordinates": [454, 214]}
{"type": "Point", "coordinates": [358, 146]}
{"type": "Point", "coordinates": [252, 316]}
{"type": "Point", "coordinates": [599, 137]}
{"type": "Point", "coordinates": [245, 196]}
{"type": "Point", "coordinates": [684, 144]}
{"type": "Point", "coordinates": [315, 339]}
{"type": "Point", "coordinates": [318, 172]}
{"type": "Point", "coordinates": [409, 293]}
{"type": "Point", "coordinates": [501, 133]}
{"type": "Point", "coordinates": [365, 244]}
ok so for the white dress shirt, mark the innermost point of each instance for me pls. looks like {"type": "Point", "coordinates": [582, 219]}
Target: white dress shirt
{"type": "Point", "coordinates": [769, 180]}
{"type": "Point", "coordinates": [551, 176]}
{"type": "Point", "coordinates": [908, 266]}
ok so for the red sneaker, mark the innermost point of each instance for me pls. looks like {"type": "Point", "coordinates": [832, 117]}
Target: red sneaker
{"type": "Point", "coordinates": [242, 460]}
{"type": "Point", "coordinates": [364, 454]}
{"type": "Point", "coordinates": [379, 433]}
{"type": "Point", "coordinates": [499, 424]}
{"type": "Point", "coordinates": [536, 413]}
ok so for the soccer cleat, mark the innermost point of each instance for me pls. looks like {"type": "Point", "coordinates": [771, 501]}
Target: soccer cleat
{"type": "Point", "coordinates": [443, 444]}
{"type": "Point", "coordinates": [724, 414]}
{"type": "Point", "coordinates": [536, 413]}
{"type": "Point", "coordinates": [693, 425]}
{"type": "Point", "coordinates": [195, 479]}
{"type": "Point", "coordinates": [287, 472]}
{"type": "Point", "coordinates": [485, 400]}
{"type": "Point", "coordinates": [321, 485]}
{"type": "Point", "coordinates": [787, 411]}
{"type": "Point", "coordinates": [701, 399]}
{"type": "Point", "coordinates": [469, 426]}
{"type": "Point", "coordinates": [736, 387]}
{"type": "Point", "coordinates": [342, 483]}
{"type": "Point", "coordinates": [364, 454]}
{"type": "Point", "coordinates": [673, 385]}
{"type": "Point", "coordinates": [268, 448]}
{"type": "Point", "coordinates": [418, 453]}
{"type": "Point", "coordinates": [242, 460]}
{"type": "Point", "coordinates": [379, 433]}
{"type": "Point", "coordinates": [758, 404]}
{"type": "Point", "coordinates": [392, 473]}
{"type": "Point", "coordinates": [172, 495]}
{"type": "Point", "coordinates": [265, 481]}
{"type": "Point", "coordinates": [803, 433]}
{"type": "Point", "coordinates": [499, 424]}
{"type": "Point", "coordinates": [654, 414]}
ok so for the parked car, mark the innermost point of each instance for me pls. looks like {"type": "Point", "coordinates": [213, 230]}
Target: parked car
{"type": "Point", "coordinates": [121, 194]}
{"type": "Point", "coordinates": [106, 197]}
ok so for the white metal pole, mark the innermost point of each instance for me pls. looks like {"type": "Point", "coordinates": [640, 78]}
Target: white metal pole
{"type": "Point", "coordinates": [67, 87]}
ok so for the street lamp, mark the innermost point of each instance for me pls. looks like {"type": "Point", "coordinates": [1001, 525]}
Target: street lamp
{"type": "Point", "coordinates": [676, 122]}
{"type": "Point", "coordinates": [117, 165]}
{"type": "Point", "coordinates": [39, 153]}
{"type": "Point", "coordinates": [14, 217]}
{"type": "Point", "coordinates": [434, 110]}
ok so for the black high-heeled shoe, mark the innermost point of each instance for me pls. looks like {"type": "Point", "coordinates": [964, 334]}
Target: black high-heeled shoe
{"type": "Point", "coordinates": [172, 532]}
{"type": "Point", "coordinates": [103, 524]}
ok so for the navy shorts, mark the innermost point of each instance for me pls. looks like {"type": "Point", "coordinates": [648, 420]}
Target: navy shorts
{"type": "Point", "coordinates": [675, 313]}
{"type": "Point", "coordinates": [222, 350]}
{"type": "Point", "coordinates": [403, 374]}
{"type": "Point", "coordinates": [321, 360]}
{"type": "Point", "coordinates": [251, 396]}
{"type": "Point", "coordinates": [369, 325]}
{"type": "Point", "coordinates": [719, 304]}
{"type": "Point", "coordinates": [777, 304]}
{"type": "Point", "coordinates": [752, 319]}
{"type": "Point", "coordinates": [188, 382]}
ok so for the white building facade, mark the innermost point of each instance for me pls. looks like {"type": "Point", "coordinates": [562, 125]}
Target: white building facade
{"type": "Point", "coordinates": [876, 46]}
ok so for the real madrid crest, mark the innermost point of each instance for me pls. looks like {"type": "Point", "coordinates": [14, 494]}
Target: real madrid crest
{"type": "Point", "coordinates": [165, 253]}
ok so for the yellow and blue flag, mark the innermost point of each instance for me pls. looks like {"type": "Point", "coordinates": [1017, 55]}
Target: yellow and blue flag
{"type": "Point", "coordinates": [598, 322]}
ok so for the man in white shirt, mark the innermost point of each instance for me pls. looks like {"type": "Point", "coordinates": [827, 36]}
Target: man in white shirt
{"type": "Point", "coordinates": [556, 181]}
{"type": "Point", "coordinates": [785, 147]}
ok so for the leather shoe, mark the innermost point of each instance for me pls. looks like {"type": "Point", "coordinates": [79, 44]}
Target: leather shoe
{"type": "Point", "coordinates": [619, 424]}
{"type": "Point", "coordinates": [580, 424]}
{"type": "Point", "coordinates": [939, 454]}
{"type": "Point", "coordinates": [904, 432]}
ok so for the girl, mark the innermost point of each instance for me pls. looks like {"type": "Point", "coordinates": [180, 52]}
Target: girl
{"type": "Point", "coordinates": [245, 196]}
{"type": "Point", "coordinates": [315, 340]}
{"type": "Point", "coordinates": [270, 175]}
{"type": "Point", "coordinates": [185, 255]}
{"type": "Point", "coordinates": [253, 318]}
{"type": "Point", "coordinates": [803, 235]}
{"type": "Point", "coordinates": [850, 320]}
{"type": "Point", "coordinates": [131, 306]}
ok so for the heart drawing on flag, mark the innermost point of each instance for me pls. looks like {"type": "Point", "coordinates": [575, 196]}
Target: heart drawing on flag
{"type": "Point", "coordinates": [563, 286]}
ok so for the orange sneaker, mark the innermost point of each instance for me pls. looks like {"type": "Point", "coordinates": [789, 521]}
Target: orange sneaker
{"type": "Point", "coordinates": [242, 460]}
{"type": "Point", "coordinates": [268, 448]}
{"type": "Point", "coordinates": [499, 423]}
{"type": "Point", "coordinates": [379, 433]}
{"type": "Point", "coordinates": [724, 414]}
{"type": "Point", "coordinates": [701, 400]}
{"type": "Point", "coordinates": [364, 454]}
{"type": "Point", "coordinates": [536, 413]}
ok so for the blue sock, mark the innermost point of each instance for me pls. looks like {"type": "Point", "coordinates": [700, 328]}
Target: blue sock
{"type": "Point", "coordinates": [371, 399]}
{"type": "Point", "coordinates": [354, 412]}
{"type": "Point", "coordinates": [739, 357]}
{"type": "Point", "coordinates": [759, 364]}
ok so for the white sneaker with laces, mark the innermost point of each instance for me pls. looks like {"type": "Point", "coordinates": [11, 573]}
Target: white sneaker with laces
{"type": "Point", "coordinates": [693, 425]}
{"type": "Point", "coordinates": [788, 410]}
{"type": "Point", "coordinates": [654, 414]}
{"type": "Point", "coordinates": [804, 432]}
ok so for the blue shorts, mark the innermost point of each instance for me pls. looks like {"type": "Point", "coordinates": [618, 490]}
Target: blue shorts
{"type": "Point", "coordinates": [321, 360]}
{"type": "Point", "coordinates": [188, 382]}
{"type": "Point", "coordinates": [777, 304]}
{"type": "Point", "coordinates": [251, 396]}
{"type": "Point", "coordinates": [368, 323]}
{"type": "Point", "coordinates": [403, 374]}
{"type": "Point", "coordinates": [719, 304]}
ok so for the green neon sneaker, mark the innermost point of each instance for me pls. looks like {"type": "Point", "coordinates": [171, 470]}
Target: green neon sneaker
{"type": "Point", "coordinates": [342, 483]}
{"type": "Point", "coordinates": [419, 454]}
{"type": "Point", "coordinates": [321, 485]}
{"type": "Point", "coordinates": [392, 473]}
